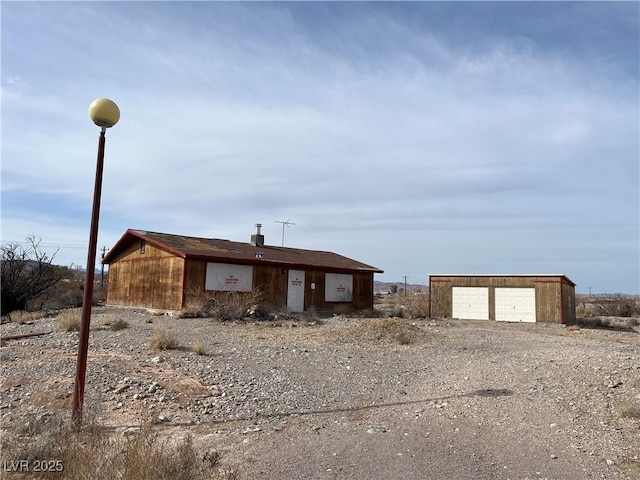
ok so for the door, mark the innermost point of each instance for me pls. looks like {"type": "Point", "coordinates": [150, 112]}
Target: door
{"type": "Point", "coordinates": [516, 304]}
{"type": "Point", "coordinates": [295, 291]}
{"type": "Point", "coordinates": [470, 303]}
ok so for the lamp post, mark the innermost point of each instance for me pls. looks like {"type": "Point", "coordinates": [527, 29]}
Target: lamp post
{"type": "Point", "coordinates": [105, 114]}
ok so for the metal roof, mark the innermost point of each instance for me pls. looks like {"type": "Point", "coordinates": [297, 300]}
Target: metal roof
{"type": "Point", "coordinates": [215, 249]}
{"type": "Point", "coordinates": [556, 275]}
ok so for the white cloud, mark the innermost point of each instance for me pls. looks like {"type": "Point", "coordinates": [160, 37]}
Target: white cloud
{"type": "Point", "coordinates": [373, 126]}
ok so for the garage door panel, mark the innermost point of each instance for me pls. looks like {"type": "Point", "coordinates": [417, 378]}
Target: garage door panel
{"type": "Point", "coordinates": [515, 304]}
{"type": "Point", "coordinates": [470, 303]}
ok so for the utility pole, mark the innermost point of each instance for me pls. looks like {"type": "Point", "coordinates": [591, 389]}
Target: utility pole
{"type": "Point", "coordinates": [405, 285]}
{"type": "Point", "coordinates": [284, 222]}
{"type": "Point", "coordinates": [104, 251]}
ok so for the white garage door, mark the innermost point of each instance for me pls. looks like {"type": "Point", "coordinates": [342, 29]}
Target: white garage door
{"type": "Point", "coordinates": [516, 304]}
{"type": "Point", "coordinates": [470, 302]}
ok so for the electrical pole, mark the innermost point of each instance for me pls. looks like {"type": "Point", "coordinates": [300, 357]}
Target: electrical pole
{"type": "Point", "coordinates": [284, 222]}
{"type": "Point", "coordinates": [104, 251]}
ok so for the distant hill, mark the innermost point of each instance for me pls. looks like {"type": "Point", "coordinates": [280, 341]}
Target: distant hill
{"type": "Point", "coordinates": [383, 287]}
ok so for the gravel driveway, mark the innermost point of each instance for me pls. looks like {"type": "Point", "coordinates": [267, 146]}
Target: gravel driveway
{"type": "Point", "coordinates": [344, 398]}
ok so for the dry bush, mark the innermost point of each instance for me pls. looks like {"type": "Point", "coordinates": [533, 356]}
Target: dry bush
{"type": "Point", "coordinates": [583, 311]}
{"type": "Point", "coordinates": [163, 340]}
{"type": "Point", "coordinates": [96, 453]}
{"type": "Point", "coordinates": [114, 323]}
{"type": "Point", "coordinates": [197, 304]}
{"type": "Point", "coordinates": [198, 347]}
{"type": "Point", "coordinates": [616, 305]}
{"type": "Point", "coordinates": [237, 305]}
{"type": "Point", "coordinates": [190, 312]}
{"type": "Point", "coordinates": [21, 316]}
{"type": "Point", "coordinates": [69, 320]}
{"type": "Point", "coordinates": [119, 325]}
{"type": "Point", "coordinates": [416, 306]}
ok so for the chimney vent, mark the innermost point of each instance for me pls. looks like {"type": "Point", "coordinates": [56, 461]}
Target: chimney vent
{"type": "Point", "coordinates": [257, 240]}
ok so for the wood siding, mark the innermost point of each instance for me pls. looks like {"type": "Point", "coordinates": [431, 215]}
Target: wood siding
{"type": "Point", "coordinates": [555, 296]}
{"type": "Point", "coordinates": [272, 282]}
{"type": "Point", "coordinates": [152, 279]}
{"type": "Point", "coordinates": [569, 303]}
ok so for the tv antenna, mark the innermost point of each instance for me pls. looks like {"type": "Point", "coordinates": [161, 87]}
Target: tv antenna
{"type": "Point", "coordinates": [284, 222]}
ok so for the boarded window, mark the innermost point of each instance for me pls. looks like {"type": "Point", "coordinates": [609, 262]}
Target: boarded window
{"type": "Point", "coordinates": [338, 287]}
{"type": "Point", "coordinates": [224, 277]}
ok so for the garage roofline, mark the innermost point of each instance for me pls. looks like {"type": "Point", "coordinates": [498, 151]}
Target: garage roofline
{"type": "Point", "coordinates": [548, 275]}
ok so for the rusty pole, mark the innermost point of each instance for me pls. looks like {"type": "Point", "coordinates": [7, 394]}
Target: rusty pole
{"type": "Point", "coordinates": [85, 321]}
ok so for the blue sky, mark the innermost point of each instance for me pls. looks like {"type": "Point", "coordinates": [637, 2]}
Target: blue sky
{"type": "Point", "coordinates": [418, 137]}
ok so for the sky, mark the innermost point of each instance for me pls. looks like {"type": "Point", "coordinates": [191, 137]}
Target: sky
{"type": "Point", "coordinates": [417, 137]}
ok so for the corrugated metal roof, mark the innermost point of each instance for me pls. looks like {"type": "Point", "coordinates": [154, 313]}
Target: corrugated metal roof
{"type": "Point", "coordinates": [214, 249]}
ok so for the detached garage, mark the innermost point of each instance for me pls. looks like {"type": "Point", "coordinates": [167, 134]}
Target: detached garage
{"type": "Point", "coordinates": [546, 298]}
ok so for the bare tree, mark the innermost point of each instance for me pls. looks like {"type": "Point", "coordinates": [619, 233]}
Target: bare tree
{"type": "Point", "coordinates": [27, 272]}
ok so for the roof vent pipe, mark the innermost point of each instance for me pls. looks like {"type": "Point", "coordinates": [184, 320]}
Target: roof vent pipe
{"type": "Point", "coordinates": [257, 240]}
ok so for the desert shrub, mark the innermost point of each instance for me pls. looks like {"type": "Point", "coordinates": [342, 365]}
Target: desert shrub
{"type": "Point", "coordinates": [198, 347]}
{"type": "Point", "coordinates": [237, 305]}
{"type": "Point", "coordinates": [97, 453]}
{"type": "Point", "coordinates": [616, 305]}
{"type": "Point", "coordinates": [583, 311]}
{"type": "Point", "coordinates": [163, 340]}
{"type": "Point", "coordinates": [416, 306]}
{"type": "Point", "coordinates": [119, 324]}
{"type": "Point", "coordinates": [26, 272]}
{"type": "Point", "coordinates": [190, 312]}
{"type": "Point", "coordinates": [69, 320]}
{"type": "Point", "coordinates": [20, 317]}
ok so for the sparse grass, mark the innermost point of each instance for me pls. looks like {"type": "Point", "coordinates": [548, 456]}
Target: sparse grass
{"type": "Point", "coordinates": [119, 324]}
{"type": "Point", "coordinates": [198, 347]}
{"type": "Point", "coordinates": [114, 323]}
{"type": "Point", "coordinates": [572, 328]}
{"type": "Point", "coordinates": [21, 317]}
{"type": "Point", "coordinates": [97, 453]}
{"type": "Point", "coordinates": [69, 320]}
{"type": "Point", "coordinates": [191, 312]}
{"type": "Point", "coordinates": [163, 340]}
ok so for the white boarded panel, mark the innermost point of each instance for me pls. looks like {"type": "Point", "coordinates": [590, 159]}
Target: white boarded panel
{"type": "Point", "coordinates": [226, 277]}
{"type": "Point", "coordinates": [516, 304]}
{"type": "Point", "coordinates": [338, 287]}
{"type": "Point", "coordinates": [295, 291]}
{"type": "Point", "coordinates": [470, 302]}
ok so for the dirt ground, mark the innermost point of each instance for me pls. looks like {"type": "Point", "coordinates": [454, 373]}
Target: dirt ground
{"type": "Point", "coordinates": [348, 398]}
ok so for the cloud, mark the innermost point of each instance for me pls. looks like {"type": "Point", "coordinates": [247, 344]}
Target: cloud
{"type": "Point", "coordinates": [358, 120]}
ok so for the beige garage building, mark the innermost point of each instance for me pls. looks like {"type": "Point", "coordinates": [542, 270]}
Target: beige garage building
{"type": "Point", "coordinates": [548, 298]}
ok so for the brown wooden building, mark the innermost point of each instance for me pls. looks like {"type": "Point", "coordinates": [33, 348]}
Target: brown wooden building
{"type": "Point", "coordinates": [511, 298]}
{"type": "Point", "coordinates": [159, 270]}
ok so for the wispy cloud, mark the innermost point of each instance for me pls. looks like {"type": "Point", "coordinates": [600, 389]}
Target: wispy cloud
{"type": "Point", "coordinates": [415, 137]}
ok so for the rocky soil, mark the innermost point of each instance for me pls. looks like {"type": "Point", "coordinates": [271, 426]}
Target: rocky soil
{"type": "Point", "coordinates": [358, 398]}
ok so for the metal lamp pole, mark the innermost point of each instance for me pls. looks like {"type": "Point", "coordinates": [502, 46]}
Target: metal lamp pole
{"type": "Point", "coordinates": [105, 114]}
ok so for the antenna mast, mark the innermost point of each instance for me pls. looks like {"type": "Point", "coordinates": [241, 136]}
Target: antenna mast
{"type": "Point", "coordinates": [284, 222]}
